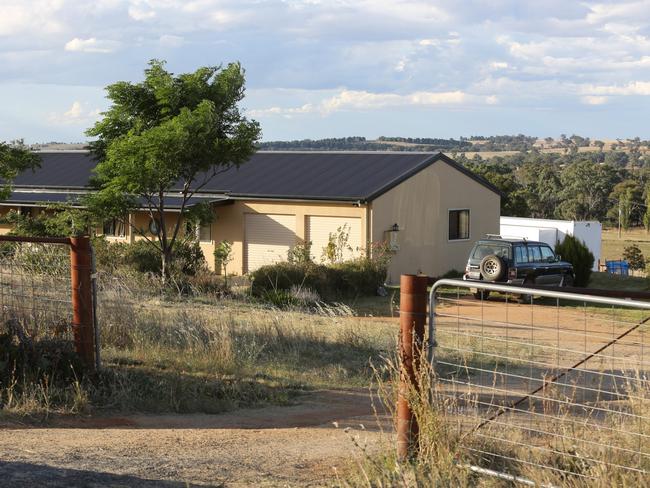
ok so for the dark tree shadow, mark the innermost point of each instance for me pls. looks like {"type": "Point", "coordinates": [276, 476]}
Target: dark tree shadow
{"type": "Point", "coordinates": [28, 475]}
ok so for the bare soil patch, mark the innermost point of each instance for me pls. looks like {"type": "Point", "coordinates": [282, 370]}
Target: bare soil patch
{"type": "Point", "coordinates": [301, 445]}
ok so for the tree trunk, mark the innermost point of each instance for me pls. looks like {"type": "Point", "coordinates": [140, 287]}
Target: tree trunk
{"type": "Point", "coordinates": [166, 261]}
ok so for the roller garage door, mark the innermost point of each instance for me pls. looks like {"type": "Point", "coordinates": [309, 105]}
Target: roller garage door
{"type": "Point", "coordinates": [319, 229]}
{"type": "Point", "coordinates": [268, 238]}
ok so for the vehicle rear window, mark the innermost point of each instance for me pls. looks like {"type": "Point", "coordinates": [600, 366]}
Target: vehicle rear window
{"type": "Point", "coordinates": [483, 250]}
{"type": "Point", "coordinates": [521, 255]}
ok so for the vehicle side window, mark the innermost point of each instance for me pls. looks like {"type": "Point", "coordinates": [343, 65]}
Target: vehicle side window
{"type": "Point", "coordinates": [547, 254]}
{"type": "Point", "coordinates": [521, 256]}
{"type": "Point", "coordinates": [534, 254]}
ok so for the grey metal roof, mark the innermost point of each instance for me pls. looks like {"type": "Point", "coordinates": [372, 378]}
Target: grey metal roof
{"type": "Point", "coordinates": [346, 176]}
{"type": "Point", "coordinates": [59, 169]}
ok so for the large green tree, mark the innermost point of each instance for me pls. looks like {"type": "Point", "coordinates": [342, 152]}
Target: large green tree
{"type": "Point", "coordinates": [15, 158]}
{"type": "Point", "coordinates": [502, 176]}
{"type": "Point", "coordinates": [542, 189]}
{"type": "Point", "coordinates": [168, 133]}
{"type": "Point", "coordinates": [585, 190]}
{"type": "Point", "coordinates": [626, 205]}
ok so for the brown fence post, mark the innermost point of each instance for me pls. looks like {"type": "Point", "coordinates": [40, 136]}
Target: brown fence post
{"type": "Point", "coordinates": [413, 311]}
{"type": "Point", "coordinates": [82, 301]}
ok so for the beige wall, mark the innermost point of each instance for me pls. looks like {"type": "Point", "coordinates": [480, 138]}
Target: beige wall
{"type": "Point", "coordinates": [229, 223]}
{"type": "Point", "coordinates": [420, 206]}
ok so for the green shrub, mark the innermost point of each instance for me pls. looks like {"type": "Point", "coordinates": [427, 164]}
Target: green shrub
{"type": "Point", "coordinates": [633, 255]}
{"type": "Point", "coordinates": [143, 257]}
{"type": "Point", "coordinates": [577, 253]}
{"type": "Point", "coordinates": [359, 277]}
{"type": "Point", "coordinates": [353, 278]}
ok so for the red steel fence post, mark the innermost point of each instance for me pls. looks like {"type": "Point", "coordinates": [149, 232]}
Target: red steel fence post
{"type": "Point", "coordinates": [82, 300]}
{"type": "Point", "coordinates": [413, 312]}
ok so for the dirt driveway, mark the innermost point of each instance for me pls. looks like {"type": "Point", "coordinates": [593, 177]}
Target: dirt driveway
{"type": "Point", "coordinates": [302, 445]}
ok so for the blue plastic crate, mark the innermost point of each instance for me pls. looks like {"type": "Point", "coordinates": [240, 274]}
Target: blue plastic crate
{"type": "Point", "coordinates": [618, 267]}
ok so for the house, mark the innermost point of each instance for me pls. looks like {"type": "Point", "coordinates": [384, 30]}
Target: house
{"type": "Point", "coordinates": [426, 206]}
{"type": "Point", "coordinates": [554, 231]}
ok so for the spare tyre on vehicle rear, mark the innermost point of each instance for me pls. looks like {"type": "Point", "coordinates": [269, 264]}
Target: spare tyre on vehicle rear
{"type": "Point", "coordinates": [492, 268]}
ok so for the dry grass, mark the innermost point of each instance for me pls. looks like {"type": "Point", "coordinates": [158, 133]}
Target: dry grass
{"type": "Point", "coordinates": [449, 446]}
{"type": "Point", "coordinates": [205, 354]}
{"type": "Point", "coordinates": [613, 246]}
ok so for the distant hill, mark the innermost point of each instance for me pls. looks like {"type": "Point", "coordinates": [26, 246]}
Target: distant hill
{"type": "Point", "coordinates": [58, 146]}
{"type": "Point", "coordinates": [487, 146]}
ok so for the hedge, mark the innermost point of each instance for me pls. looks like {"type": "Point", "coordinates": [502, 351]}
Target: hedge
{"type": "Point", "coordinates": [353, 278]}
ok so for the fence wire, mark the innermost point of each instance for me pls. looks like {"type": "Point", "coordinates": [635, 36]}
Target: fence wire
{"type": "Point", "coordinates": [518, 377]}
{"type": "Point", "coordinates": [35, 291]}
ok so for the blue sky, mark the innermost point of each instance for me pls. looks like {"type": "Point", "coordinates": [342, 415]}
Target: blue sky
{"type": "Point", "coordinates": [332, 68]}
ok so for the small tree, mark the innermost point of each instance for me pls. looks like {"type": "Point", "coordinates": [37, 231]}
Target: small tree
{"type": "Point", "coordinates": [168, 134]}
{"type": "Point", "coordinates": [15, 158]}
{"type": "Point", "coordinates": [223, 257]}
{"type": "Point", "coordinates": [577, 253]}
{"type": "Point", "coordinates": [633, 255]}
{"type": "Point", "coordinates": [300, 253]}
{"type": "Point", "coordinates": [337, 245]}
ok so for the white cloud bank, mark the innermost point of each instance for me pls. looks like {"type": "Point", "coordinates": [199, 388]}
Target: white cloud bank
{"type": "Point", "coordinates": [91, 45]}
{"type": "Point", "coordinates": [77, 114]}
{"type": "Point", "coordinates": [361, 100]}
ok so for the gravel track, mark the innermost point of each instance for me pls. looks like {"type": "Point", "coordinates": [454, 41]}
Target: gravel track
{"type": "Point", "coordinates": [301, 445]}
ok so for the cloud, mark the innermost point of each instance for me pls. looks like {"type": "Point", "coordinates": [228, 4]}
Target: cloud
{"type": "Point", "coordinates": [594, 100]}
{"type": "Point", "coordinates": [497, 65]}
{"type": "Point", "coordinates": [168, 40]}
{"type": "Point", "coordinates": [639, 88]}
{"type": "Point", "coordinates": [91, 45]}
{"type": "Point", "coordinates": [138, 13]}
{"type": "Point", "coordinates": [498, 56]}
{"type": "Point", "coordinates": [77, 114]}
{"type": "Point", "coordinates": [284, 112]}
{"type": "Point", "coordinates": [361, 100]}
{"type": "Point", "coordinates": [35, 17]}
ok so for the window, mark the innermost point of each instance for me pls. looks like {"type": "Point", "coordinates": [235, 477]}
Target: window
{"type": "Point", "coordinates": [547, 254]}
{"type": "Point", "coordinates": [114, 228]}
{"type": "Point", "coordinates": [202, 233]}
{"type": "Point", "coordinates": [458, 224]}
{"type": "Point", "coordinates": [483, 250]}
{"type": "Point", "coordinates": [534, 254]}
{"type": "Point", "coordinates": [521, 255]}
{"type": "Point", "coordinates": [205, 233]}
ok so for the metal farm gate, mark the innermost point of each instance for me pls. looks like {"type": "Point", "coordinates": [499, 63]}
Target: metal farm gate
{"type": "Point", "coordinates": [542, 384]}
{"type": "Point", "coordinates": [537, 386]}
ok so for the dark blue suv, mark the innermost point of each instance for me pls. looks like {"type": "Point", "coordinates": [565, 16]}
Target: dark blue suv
{"type": "Point", "coordinates": [517, 262]}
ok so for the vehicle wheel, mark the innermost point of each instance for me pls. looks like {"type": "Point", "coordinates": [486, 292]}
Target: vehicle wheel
{"type": "Point", "coordinates": [567, 280]}
{"type": "Point", "coordinates": [492, 268]}
{"type": "Point", "coordinates": [525, 297]}
{"type": "Point", "coordinates": [485, 293]}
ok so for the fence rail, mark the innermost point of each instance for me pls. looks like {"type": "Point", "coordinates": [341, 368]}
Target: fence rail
{"type": "Point", "coordinates": [545, 384]}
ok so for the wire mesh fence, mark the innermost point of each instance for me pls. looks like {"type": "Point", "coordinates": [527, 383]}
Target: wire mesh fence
{"type": "Point", "coordinates": [35, 290]}
{"type": "Point", "coordinates": [543, 384]}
